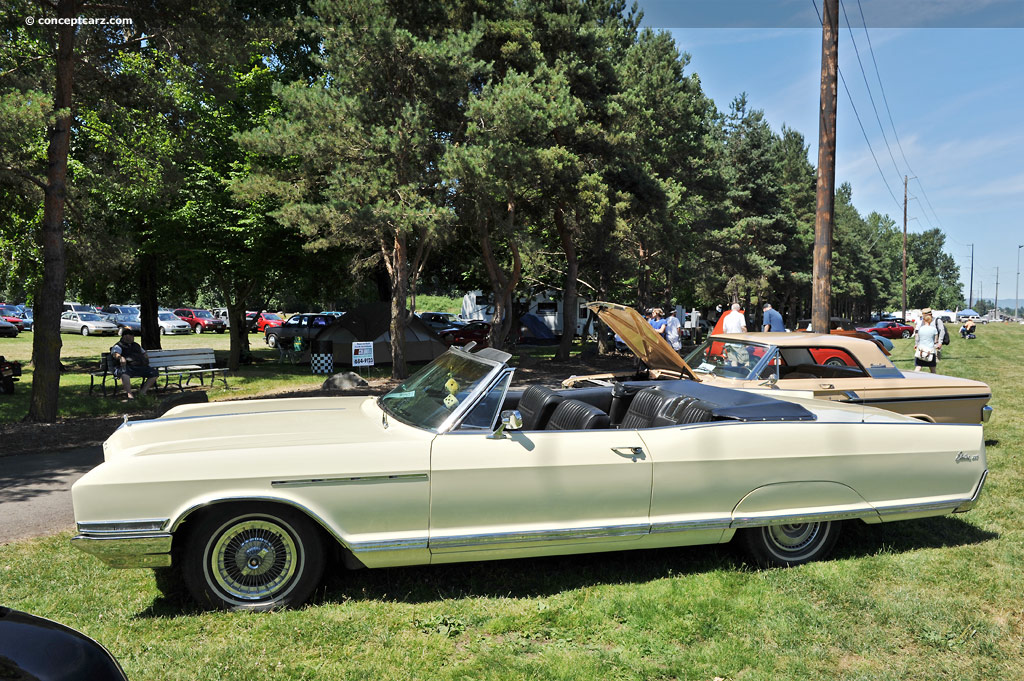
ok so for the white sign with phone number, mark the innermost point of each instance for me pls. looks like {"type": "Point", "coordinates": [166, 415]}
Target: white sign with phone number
{"type": "Point", "coordinates": [362, 354]}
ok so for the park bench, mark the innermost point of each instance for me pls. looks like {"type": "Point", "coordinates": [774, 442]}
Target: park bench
{"type": "Point", "coordinates": [175, 366]}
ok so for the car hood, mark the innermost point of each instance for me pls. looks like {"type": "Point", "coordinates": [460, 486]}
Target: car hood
{"type": "Point", "coordinates": [251, 426]}
{"type": "Point", "coordinates": [650, 346]}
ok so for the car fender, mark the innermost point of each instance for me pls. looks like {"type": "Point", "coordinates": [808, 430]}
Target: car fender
{"type": "Point", "coordinates": [802, 501]}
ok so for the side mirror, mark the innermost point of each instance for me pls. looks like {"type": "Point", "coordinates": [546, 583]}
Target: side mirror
{"type": "Point", "coordinates": [770, 381]}
{"type": "Point", "coordinates": [511, 419]}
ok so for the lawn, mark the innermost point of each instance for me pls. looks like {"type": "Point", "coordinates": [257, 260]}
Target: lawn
{"type": "Point", "coordinates": [930, 599]}
{"type": "Point", "coordinates": [81, 355]}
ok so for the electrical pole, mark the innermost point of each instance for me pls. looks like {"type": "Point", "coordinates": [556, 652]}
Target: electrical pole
{"type": "Point", "coordinates": [996, 303]}
{"type": "Point", "coordinates": [970, 299]}
{"type": "Point", "coordinates": [1016, 289]}
{"type": "Point", "coordinates": [821, 291]}
{"type": "Point", "coordinates": [904, 247]}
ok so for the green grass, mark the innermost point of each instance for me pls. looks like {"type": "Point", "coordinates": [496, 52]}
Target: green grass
{"type": "Point", "coordinates": [932, 599]}
{"type": "Point", "coordinates": [80, 355]}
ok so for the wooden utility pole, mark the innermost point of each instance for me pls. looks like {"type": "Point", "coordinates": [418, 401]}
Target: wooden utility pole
{"type": "Point", "coordinates": [821, 293]}
{"type": "Point", "coordinates": [904, 248]}
{"type": "Point", "coordinates": [995, 303]}
{"type": "Point", "coordinates": [970, 298]}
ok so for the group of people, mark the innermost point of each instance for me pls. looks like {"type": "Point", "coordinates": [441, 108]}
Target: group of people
{"type": "Point", "coordinates": [666, 326]}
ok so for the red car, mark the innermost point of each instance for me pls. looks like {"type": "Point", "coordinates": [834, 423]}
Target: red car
{"type": "Point", "coordinates": [262, 321]}
{"type": "Point", "coordinates": [201, 320]}
{"type": "Point", "coordinates": [889, 329]}
{"type": "Point", "coordinates": [460, 335]}
{"type": "Point", "coordinates": [7, 314]}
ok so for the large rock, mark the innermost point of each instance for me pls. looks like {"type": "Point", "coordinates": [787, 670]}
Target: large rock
{"type": "Point", "coordinates": [346, 380]}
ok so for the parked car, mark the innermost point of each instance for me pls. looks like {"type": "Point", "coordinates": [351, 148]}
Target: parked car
{"type": "Point", "coordinates": [259, 322]}
{"type": "Point", "coordinates": [333, 313]}
{"type": "Point", "coordinates": [171, 324]}
{"type": "Point", "coordinates": [441, 321]}
{"type": "Point", "coordinates": [10, 371]}
{"type": "Point", "coordinates": [201, 320]}
{"type": "Point", "coordinates": [122, 309]}
{"type": "Point", "coordinates": [7, 329]}
{"type": "Point", "coordinates": [87, 324]}
{"type": "Point", "coordinates": [889, 329]}
{"type": "Point", "coordinates": [34, 648]}
{"type": "Point", "coordinates": [841, 323]}
{"type": "Point", "coordinates": [305, 326]}
{"type": "Point", "coordinates": [460, 335]}
{"type": "Point", "coordinates": [12, 316]}
{"type": "Point", "coordinates": [78, 307]}
{"type": "Point", "coordinates": [126, 322]}
{"type": "Point", "coordinates": [452, 466]}
{"type": "Point", "coordinates": [221, 313]}
{"type": "Point", "coordinates": [836, 366]}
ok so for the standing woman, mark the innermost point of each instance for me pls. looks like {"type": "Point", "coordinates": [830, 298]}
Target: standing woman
{"type": "Point", "coordinates": [926, 338]}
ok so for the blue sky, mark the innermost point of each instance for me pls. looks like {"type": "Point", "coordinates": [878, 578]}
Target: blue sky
{"type": "Point", "coordinates": [956, 96]}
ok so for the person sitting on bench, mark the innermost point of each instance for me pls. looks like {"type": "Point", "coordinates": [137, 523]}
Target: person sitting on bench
{"type": "Point", "coordinates": [131, 361]}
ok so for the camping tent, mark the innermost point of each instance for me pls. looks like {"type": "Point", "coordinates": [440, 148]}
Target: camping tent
{"type": "Point", "coordinates": [372, 322]}
{"type": "Point", "coordinates": [534, 330]}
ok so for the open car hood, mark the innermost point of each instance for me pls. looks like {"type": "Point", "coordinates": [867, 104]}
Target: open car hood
{"type": "Point", "coordinates": [650, 346]}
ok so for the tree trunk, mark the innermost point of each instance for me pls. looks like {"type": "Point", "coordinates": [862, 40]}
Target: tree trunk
{"type": "Point", "coordinates": [149, 307]}
{"type": "Point", "coordinates": [502, 284]}
{"type": "Point", "coordinates": [46, 342]}
{"type": "Point", "coordinates": [397, 262]}
{"type": "Point", "coordinates": [569, 295]}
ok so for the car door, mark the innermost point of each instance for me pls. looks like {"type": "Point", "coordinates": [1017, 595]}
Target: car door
{"type": "Point", "coordinates": [536, 492]}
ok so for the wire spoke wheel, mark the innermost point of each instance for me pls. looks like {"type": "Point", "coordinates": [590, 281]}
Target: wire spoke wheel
{"type": "Point", "coordinates": [253, 560]}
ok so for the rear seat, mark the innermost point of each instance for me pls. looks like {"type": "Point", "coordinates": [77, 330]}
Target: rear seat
{"type": "Point", "coordinates": [655, 407]}
{"type": "Point", "coordinates": [577, 415]}
{"type": "Point", "coordinates": [647, 405]}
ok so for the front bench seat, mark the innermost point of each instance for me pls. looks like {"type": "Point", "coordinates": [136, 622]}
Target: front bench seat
{"type": "Point", "coordinates": [537, 405]}
{"type": "Point", "coordinates": [577, 415]}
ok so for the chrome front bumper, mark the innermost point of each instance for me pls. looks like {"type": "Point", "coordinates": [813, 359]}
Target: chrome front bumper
{"type": "Point", "coordinates": [986, 413]}
{"type": "Point", "coordinates": [128, 544]}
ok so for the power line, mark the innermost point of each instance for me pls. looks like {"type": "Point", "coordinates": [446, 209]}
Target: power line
{"type": "Point", "coordinates": [896, 201]}
{"type": "Point", "coordinates": [871, 97]}
{"type": "Point", "coordinates": [885, 100]}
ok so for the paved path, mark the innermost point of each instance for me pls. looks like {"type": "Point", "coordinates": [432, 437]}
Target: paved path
{"type": "Point", "coordinates": [35, 491]}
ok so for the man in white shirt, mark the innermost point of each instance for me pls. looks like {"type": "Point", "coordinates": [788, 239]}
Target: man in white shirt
{"type": "Point", "coordinates": [672, 331]}
{"type": "Point", "coordinates": [735, 322]}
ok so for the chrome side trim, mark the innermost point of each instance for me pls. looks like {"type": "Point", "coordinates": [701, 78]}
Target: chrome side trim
{"type": "Point", "coordinates": [816, 517]}
{"type": "Point", "coordinates": [122, 526]}
{"type": "Point", "coordinates": [688, 525]}
{"type": "Point", "coordinates": [352, 480]}
{"type": "Point", "coordinates": [947, 506]}
{"type": "Point", "coordinates": [970, 503]}
{"type": "Point", "coordinates": [388, 545]}
{"type": "Point", "coordinates": [478, 540]}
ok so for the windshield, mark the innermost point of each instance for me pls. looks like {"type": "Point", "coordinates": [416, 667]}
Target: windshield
{"type": "Point", "coordinates": [90, 317]}
{"type": "Point", "coordinates": [427, 399]}
{"type": "Point", "coordinates": [203, 314]}
{"type": "Point", "coordinates": [167, 317]}
{"type": "Point", "coordinates": [269, 316]}
{"type": "Point", "coordinates": [729, 359]}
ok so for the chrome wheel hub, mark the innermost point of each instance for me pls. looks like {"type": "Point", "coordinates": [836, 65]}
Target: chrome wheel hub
{"type": "Point", "coordinates": [254, 560]}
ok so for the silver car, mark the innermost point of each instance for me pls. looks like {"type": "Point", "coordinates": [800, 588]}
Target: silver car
{"type": "Point", "coordinates": [87, 324]}
{"type": "Point", "coordinates": [171, 324]}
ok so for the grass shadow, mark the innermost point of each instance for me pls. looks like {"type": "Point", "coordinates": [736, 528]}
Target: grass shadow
{"type": "Point", "coordinates": [530, 578]}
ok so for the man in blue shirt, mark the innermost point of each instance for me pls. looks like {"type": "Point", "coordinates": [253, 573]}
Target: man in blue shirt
{"type": "Point", "coordinates": [772, 319]}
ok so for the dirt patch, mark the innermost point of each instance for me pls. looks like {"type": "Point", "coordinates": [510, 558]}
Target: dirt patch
{"type": "Point", "coordinates": [22, 438]}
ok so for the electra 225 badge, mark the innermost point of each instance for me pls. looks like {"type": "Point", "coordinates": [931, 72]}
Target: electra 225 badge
{"type": "Point", "coordinates": [961, 457]}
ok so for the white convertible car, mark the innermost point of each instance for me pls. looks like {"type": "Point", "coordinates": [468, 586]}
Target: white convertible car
{"type": "Point", "coordinates": [248, 499]}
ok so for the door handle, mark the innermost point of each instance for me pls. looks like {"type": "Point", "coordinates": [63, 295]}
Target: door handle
{"type": "Point", "coordinates": [633, 453]}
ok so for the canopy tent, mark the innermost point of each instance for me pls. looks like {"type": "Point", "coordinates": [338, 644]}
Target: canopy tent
{"type": "Point", "coordinates": [967, 313]}
{"type": "Point", "coordinates": [372, 322]}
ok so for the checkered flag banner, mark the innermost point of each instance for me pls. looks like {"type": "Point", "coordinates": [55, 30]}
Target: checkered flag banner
{"type": "Point", "coordinates": [322, 363]}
